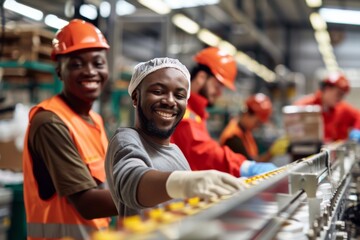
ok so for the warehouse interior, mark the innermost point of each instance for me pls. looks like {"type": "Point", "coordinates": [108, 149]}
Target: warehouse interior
{"type": "Point", "coordinates": [276, 34]}
{"type": "Point", "coordinates": [282, 49]}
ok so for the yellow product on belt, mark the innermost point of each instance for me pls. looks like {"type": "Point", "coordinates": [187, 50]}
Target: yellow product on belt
{"type": "Point", "coordinates": [161, 216]}
{"type": "Point", "coordinates": [136, 225]}
{"type": "Point", "coordinates": [107, 235]}
{"type": "Point", "coordinates": [194, 202]}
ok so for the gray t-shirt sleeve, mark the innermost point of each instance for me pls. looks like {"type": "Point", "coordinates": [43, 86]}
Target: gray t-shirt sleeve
{"type": "Point", "coordinates": [125, 165]}
{"type": "Point", "coordinates": [50, 143]}
{"type": "Point", "coordinates": [129, 156]}
{"type": "Point", "coordinates": [128, 169]}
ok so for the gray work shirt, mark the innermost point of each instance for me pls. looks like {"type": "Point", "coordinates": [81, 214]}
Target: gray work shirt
{"type": "Point", "coordinates": [128, 157]}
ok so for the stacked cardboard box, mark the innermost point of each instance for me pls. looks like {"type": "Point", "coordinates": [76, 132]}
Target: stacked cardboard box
{"type": "Point", "coordinates": [10, 156]}
{"type": "Point", "coordinates": [27, 44]}
{"type": "Point", "coordinates": [303, 123]}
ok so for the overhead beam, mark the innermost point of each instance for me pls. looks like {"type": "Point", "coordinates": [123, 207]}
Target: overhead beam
{"type": "Point", "coordinates": [263, 40]}
{"type": "Point", "coordinates": [277, 10]}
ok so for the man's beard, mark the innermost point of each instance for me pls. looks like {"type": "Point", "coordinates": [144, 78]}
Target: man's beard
{"type": "Point", "coordinates": [150, 127]}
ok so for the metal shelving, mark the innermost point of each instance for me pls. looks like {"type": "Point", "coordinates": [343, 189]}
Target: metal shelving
{"type": "Point", "coordinates": [53, 84]}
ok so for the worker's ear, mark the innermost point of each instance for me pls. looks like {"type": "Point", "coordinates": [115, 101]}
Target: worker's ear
{"type": "Point", "coordinates": [198, 81]}
{"type": "Point", "coordinates": [58, 69]}
{"type": "Point", "coordinates": [135, 97]}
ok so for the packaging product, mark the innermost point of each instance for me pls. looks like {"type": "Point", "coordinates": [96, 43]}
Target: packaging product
{"type": "Point", "coordinates": [303, 123]}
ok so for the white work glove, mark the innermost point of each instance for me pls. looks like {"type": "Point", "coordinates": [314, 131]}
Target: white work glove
{"type": "Point", "coordinates": [204, 184]}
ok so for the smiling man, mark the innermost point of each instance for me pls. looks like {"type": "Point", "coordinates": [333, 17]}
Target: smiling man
{"type": "Point", "coordinates": [143, 168]}
{"type": "Point", "coordinates": [65, 143]}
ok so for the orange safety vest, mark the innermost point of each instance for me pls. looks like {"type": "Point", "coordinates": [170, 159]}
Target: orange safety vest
{"type": "Point", "coordinates": [233, 129]}
{"type": "Point", "coordinates": [56, 218]}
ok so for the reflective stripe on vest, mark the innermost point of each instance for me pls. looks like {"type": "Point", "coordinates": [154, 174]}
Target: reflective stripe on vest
{"type": "Point", "coordinates": [191, 115]}
{"type": "Point", "coordinates": [53, 230]}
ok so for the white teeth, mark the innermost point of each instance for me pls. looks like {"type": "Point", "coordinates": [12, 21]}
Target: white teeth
{"type": "Point", "coordinates": [165, 115]}
{"type": "Point", "coordinates": [91, 85]}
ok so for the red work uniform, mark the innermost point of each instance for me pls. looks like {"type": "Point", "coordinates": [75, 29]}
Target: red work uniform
{"type": "Point", "coordinates": [194, 140]}
{"type": "Point", "coordinates": [338, 121]}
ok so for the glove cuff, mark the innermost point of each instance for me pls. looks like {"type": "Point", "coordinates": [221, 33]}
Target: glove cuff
{"type": "Point", "coordinates": [245, 168]}
{"type": "Point", "coordinates": [174, 185]}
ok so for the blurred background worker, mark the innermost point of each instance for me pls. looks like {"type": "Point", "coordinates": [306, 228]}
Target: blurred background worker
{"type": "Point", "coordinates": [214, 70]}
{"type": "Point", "coordinates": [338, 116]}
{"type": "Point", "coordinates": [65, 143]}
{"type": "Point", "coordinates": [238, 134]}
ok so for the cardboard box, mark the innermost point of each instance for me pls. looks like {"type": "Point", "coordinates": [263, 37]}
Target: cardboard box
{"type": "Point", "coordinates": [10, 156]}
{"type": "Point", "coordinates": [303, 123]}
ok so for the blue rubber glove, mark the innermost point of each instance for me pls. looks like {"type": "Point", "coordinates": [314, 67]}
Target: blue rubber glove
{"type": "Point", "coordinates": [355, 135]}
{"type": "Point", "coordinates": [252, 168]}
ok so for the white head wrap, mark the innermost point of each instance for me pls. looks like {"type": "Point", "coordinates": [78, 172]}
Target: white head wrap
{"type": "Point", "coordinates": [143, 69]}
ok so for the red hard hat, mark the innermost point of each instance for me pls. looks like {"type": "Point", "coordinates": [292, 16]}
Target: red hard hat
{"type": "Point", "coordinates": [221, 64]}
{"type": "Point", "coordinates": [261, 105]}
{"type": "Point", "coordinates": [77, 35]}
{"type": "Point", "coordinates": [338, 80]}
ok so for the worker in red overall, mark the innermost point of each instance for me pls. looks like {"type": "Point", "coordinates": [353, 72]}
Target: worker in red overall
{"type": "Point", "coordinates": [340, 119]}
{"type": "Point", "coordinates": [214, 70]}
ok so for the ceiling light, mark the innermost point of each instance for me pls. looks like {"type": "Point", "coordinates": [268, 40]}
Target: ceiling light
{"type": "Point", "coordinates": [340, 16]}
{"type": "Point", "coordinates": [326, 49]}
{"type": "Point", "coordinates": [323, 40]}
{"type": "Point", "coordinates": [124, 8]}
{"type": "Point", "coordinates": [175, 49]}
{"type": "Point", "coordinates": [227, 47]}
{"type": "Point", "coordinates": [332, 68]}
{"type": "Point", "coordinates": [208, 37]}
{"type": "Point", "coordinates": [89, 11]}
{"type": "Point", "coordinates": [317, 21]}
{"type": "Point", "coordinates": [105, 9]}
{"type": "Point", "coordinates": [270, 77]}
{"type": "Point", "coordinates": [157, 6]}
{"type": "Point", "coordinates": [55, 22]}
{"type": "Point", "coordinates": [242, 58]}
{"type": "Point", "coordinates": [185, 23]}
{"type": "Point", "coordinates": [322, 36]}
{"type": "Point", "coordinates": [189, 3]}
{"type": "Point", "coordinates": [254, 66]}
{"type": "Point", "coordinates": [330, 61]}
{"type": "Point", "coordinates": [69, 9]}
{"type": "Point", "coordinates": [23, 10]}
{"type": "Point", "coordinates": [266, 74]}
{"type": "Point", "coordinates": [263, 71]}
{"type": "Point", "coordinates": [314, 3]}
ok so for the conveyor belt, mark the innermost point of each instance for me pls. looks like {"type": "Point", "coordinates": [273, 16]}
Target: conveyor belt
{"type": "Point", "coordinates": [304, 200]}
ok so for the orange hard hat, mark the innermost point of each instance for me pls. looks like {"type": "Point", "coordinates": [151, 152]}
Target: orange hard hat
{"type": "Point", "coordinates": [338, 80]}
{"type": "Point", "coordinates": [77, 35]}
{"type": "Point", "coordinates": [221, 64]}
{"type": "Point", "coordinates": [261, 105]}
